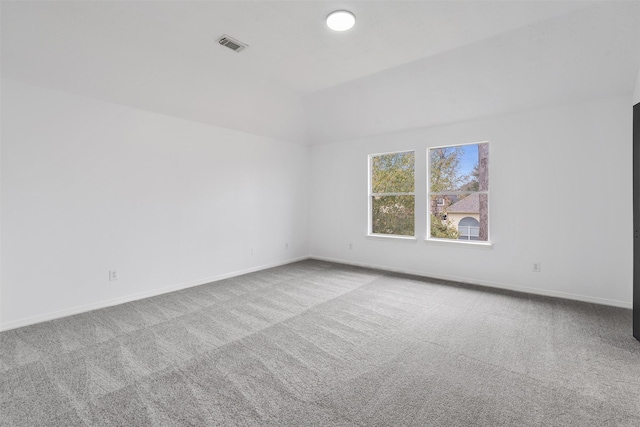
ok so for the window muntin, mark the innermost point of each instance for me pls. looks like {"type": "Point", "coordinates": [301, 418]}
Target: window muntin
{"type": "Point", "coordinates": [392, 193]}
{"type": "Point", "coordinates": [459, 192]}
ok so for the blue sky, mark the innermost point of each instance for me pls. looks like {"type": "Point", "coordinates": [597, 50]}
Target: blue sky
{"type": "Point", "coordinates": [469, 159]}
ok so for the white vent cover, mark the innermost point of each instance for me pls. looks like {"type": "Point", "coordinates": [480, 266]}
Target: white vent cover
{"type": "Point", "coordinates": [232, 43]}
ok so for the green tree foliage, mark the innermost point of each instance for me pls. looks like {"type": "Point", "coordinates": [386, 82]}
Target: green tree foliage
{"type": "Point", "coordinates": [474, 180]}
{"type": "Point", "coordinates": [393, 214]}
{"type": "Point", "coordinates": [393, 173]}
{"type": "Point", "coordinates": [444, 165]}
{"type": "Point", "coordinates": [443, 229]}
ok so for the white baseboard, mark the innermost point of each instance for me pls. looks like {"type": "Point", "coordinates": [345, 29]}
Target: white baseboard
{"type": "Point", "coordinates": [138, 296]}
{"type": "Point", "coordinates": [177, 287]}
{"type": "Point", "coordinates": [523, 289]}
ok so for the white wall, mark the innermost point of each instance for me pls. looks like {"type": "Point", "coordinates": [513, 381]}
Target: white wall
{"type": "Point", "coordinates": [560, 181]}
{"type": "Point", "coordinates": [90, 186]}
{"type": "Point", "coordinates": [636, 94]}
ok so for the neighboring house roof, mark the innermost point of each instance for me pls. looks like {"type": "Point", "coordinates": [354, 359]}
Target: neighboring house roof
{"type": "Point", "coordinates": [451, 199]}
{"type": "Point", "coordinates": [469, 204]}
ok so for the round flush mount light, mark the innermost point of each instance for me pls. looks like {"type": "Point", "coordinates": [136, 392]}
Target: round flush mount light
{"type": "Point", "coordinates": [341, 20]}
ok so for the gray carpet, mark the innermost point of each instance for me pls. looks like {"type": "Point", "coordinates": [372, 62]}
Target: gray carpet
{"type": "Point", "coordinates": [320, 344]}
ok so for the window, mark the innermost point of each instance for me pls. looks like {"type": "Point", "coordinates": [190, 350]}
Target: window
{"type": "Point", "coordinates": [469, 228]}
{"type": "Point", "coordinates": [459, 192]}
{"type": "Point", "coordinates": [391, 194]}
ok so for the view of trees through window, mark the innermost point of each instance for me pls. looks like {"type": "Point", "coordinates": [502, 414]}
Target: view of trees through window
{"type": "Point", "coordinates": [459, 192]}
{"type": "Point", "coordinates": [392, 193]}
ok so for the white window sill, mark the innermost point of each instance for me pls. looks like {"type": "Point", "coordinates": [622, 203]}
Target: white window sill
{"type": "Point", "coordinates": [391, 237]}
{"type": "Point", "coordinates": [459, 243]}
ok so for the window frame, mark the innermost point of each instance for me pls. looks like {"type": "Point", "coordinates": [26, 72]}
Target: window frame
{"type": "Point", "coordinates": [371, 194]}
{"type": "Point", "coordinates": [456, 242]}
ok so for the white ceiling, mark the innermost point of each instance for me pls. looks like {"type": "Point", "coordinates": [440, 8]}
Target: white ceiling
{"type": "Point", "coordinates": [162, 55]}
{"type": "Point", "coordinates": [588, 54]}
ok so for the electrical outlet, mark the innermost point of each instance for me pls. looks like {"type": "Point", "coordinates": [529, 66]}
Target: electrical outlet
{"type": "Point", "coordinates": [113, 275]}
{"type": "Point", "coordinates": [350, 246]}
{"type": "Point", "coordinates": [252, 251]}
{"type": "Point", "coordinates": [536, 267]}
{"type": "Point", "coordinates": [286, 245]}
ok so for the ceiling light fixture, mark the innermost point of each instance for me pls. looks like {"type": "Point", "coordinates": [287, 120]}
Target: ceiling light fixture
{"type": "Point", "coordinates": [341, 20]}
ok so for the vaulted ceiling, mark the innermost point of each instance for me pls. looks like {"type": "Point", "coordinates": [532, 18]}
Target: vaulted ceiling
{"type": "Point", "coordinates": [163, 57]}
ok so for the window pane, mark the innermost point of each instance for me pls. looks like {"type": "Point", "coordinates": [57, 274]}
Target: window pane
{"type": "Point", "coordinates": [459, 168]}
{"type": "Point", "coordinates": [460, 217]}
{"type": "Point", "coordinates": [393, 173]}
{"type": "Point", "coordinates": [393, 215]}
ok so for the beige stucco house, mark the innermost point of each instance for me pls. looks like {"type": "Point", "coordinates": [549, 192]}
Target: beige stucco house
{"type": "Point", "coordinates": [465, 216]}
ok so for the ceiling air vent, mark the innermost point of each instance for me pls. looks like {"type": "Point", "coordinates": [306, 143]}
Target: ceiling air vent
{"type": "Point", "coordinates": [232, 43]}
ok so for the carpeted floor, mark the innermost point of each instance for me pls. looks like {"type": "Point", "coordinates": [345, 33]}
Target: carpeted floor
{"type": "Point", "coordinates": [320, 344]}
